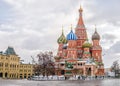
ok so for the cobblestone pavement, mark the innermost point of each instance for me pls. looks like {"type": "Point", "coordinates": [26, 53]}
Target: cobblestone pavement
{"type": "Point", "coordinates": [105, 82]}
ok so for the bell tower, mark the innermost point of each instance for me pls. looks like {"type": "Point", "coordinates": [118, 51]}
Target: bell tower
{"type": "Point", "coordinates": [81, 33]}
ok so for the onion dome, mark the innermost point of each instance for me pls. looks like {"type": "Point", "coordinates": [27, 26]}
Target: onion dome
{"type": "Point", "coordinates": [95, 36]}
{"type": "Point", "coordinates": [71, 35]}
{"type": "Point", "coordinates": [62, 39]}
{"type": "Point", "coordinates": [86, 44]}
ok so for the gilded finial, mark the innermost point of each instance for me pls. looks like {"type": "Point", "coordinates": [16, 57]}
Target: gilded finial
{"type": "Point", "coordinates": [71, 26]}
{"type": "Point", "coordinates": [80, 8]}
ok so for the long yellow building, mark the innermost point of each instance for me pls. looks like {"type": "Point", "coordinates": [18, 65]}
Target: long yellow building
{"type": "Point", "coordinates": [11, 67]}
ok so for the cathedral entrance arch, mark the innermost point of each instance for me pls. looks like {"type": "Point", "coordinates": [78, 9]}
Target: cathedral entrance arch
{"type": "Point", "coordinates": [88, 71]}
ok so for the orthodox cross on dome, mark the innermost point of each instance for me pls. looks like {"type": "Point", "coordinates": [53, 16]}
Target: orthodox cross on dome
{"type": "Point", "coordinates": [95, 28]}
{"type": "Point", "coordinates": [80, 10]}
{"type": "Point", "coordinates": [71, 27]}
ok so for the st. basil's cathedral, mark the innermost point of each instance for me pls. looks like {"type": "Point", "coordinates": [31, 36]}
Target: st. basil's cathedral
{"type": "Point", "coordinates": [76, 56]}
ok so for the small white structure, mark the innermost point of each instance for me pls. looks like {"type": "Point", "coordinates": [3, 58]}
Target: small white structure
{"type": "Point", "coordinates": [111, 74]}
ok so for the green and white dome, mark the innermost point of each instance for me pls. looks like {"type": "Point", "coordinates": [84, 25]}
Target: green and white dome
{"type": "Point", "coordinates": [62, 39]}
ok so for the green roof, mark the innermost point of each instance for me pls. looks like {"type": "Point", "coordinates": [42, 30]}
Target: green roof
{"type": "Point", "coordinates": [86, 44]}
{"type": "Point", "coordinates": [68, 72]}
{"type": "Point", "coordinates": [1, 52]}
{"type": "Point", "coordinates": [10, 51]}
{"type": "Point", "coordinates": [86, 52]}
{"type": "Point", "coordinates": [69, 65]}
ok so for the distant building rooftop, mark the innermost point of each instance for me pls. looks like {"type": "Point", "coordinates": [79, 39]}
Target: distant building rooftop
{"type": "Point", "coordinates": [10, 51]}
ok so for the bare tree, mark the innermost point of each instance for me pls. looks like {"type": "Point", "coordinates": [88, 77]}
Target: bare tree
{"type": "Point", "coordinates": [45, 64]}
{"type": "Point", "coordinates": [33, 60]}
{"type": "Point", "coordinates": [115, 68]}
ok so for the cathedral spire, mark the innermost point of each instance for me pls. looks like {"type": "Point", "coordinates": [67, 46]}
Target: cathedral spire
{"type": "Point", "coordinates": [80, 10]}
{"type": "Point", "coordinates": [80, 21]}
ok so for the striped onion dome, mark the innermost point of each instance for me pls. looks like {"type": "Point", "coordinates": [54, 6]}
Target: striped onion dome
{"type": "Point", "coordinates": [71, 36]}
{"type": "Point", "coordinates": [62, 39]}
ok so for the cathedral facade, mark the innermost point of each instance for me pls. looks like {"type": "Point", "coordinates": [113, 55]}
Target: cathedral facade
{"type": "Point", "coordinates": [76, 56]}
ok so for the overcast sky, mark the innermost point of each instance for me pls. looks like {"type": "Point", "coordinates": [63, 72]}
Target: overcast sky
{"type": "Point", "coordinates": [31, 26]}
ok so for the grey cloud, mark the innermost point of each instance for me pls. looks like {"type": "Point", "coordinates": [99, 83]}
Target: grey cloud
{"type": "Point", "coordinates": [108, 36]}
{"type": "Point", "coordinates": [109, 58]}
{"type": "Point", "coordinates": [35, 42]}
{"type": "Point", "coordinates": [7, 28]}
{"type": "Point", "coordinates": [111, 54]}
{"type": "Point", "coordinates": [105, 11]}
{"type": "Point", "coordinates": [115, 48]}
{"type": "Point", "coordinates": [108, 39]}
